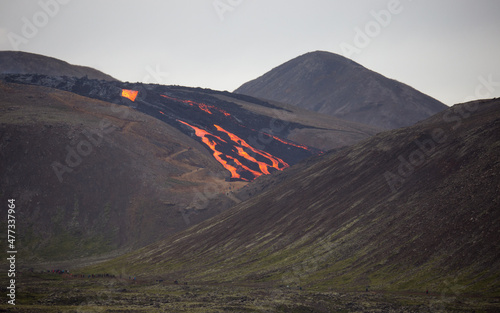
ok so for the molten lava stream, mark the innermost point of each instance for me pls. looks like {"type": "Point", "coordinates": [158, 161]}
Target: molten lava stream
{"type": "Point", "coordinates": [200, 105]}
{"type": "Point", "coordinates": [287, 142]}
{"type": "Point", "coordinates": [238, 147]}
{"type": "Point", "coordinates": [264, 167]}
{"type": "Point", "coordinates": [254, 173]}
{"type": "Point", "coordinates": [212, 145]}
{"type": "Point", "coordinates": [179, 100]}
{"type": "Point", "coordinates": [204, 107]}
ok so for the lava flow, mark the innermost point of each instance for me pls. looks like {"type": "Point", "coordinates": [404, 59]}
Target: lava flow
{"type": "Point", "coordinates": [287, 142]}
{"type": "Point", "coordinates": [235, 156]}
{"type": "Point", "coordinates": [129, 94]}
{"type": "Point", "coordinates": [212, 145]}
{"type": "Point", "coordinates": [277, 163]}
{"type": "Point", "coordinates": [202, 106]}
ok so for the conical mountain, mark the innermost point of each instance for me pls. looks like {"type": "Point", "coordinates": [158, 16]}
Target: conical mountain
{"type": "Point", "coordinates": [332, 84]}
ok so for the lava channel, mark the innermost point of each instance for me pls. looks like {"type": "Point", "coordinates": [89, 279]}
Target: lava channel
{"type": "Point", "coordinates": [202, 106]}
{"type": "Point", "coordinates": [212, 144]}
{"type": "Point", "coordinates": [237, 156]}
{"type": "Point", "coordinates": [288, 142]}
{"type": "Point", "coordinates": [276, 162]}
{"type": "Point", "coordinates": [129, 94]}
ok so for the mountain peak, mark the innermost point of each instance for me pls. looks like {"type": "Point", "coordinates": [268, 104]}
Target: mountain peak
{"type": "Point", "coordinates": [331, 84]}
{"type": "Point", "coordinates": [325, 56]}
{"type": "Point", "coordinates": [317, 62]}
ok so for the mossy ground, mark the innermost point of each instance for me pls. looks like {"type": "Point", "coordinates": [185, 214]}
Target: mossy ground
{"type": "Point", "coordinates": [49, 292]}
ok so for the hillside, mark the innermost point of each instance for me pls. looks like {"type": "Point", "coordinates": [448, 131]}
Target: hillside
{"type": "Point", "coordinates": [409, 209]}
{"type": "Point", "coordinates": [331, 84]}
{"type": "Point", "coordinates": [286, 121]}
{"type": "Point", "coordinates": [92, 177]}
{"type": "Point", "coordinates": [18, 62]}
{"type": "Point", "coordinates": [104, 166]}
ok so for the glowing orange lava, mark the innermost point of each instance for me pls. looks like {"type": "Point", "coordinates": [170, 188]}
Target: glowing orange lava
{"type": "Point", "coordinates": [175, 99]}
{"type": "Point", "coordinates": [277, 163]}
{"type": "Point", "coordinates": [202, 106]}
{"type": "Point", "coordinates": [212, 145]}
{"type": "Point", "coordinates": [255, 173]}
{"type": "Point", "coordinates": [129, 94]}
{"type": "Point", "coordinates": [287, 142]}
{"type": "Point", "coordinates": [237, 156]}
{"type": "Point", "coordinates": [241, 150]}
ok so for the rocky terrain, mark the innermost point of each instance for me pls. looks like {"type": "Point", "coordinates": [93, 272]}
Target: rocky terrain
{"type": "Point", "coordinates": [97, 172]}
{"type": "Point", "coordinates": [146, 198]}
{"type": "Point", "coordinates": [410, 209]}
{"type": "Point", "coordinates": [331, 84]}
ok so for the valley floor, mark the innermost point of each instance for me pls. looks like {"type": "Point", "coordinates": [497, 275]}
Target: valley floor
{"type": "Point", "coordinates": [50, 292]}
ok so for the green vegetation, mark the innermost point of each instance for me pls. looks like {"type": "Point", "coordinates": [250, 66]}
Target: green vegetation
{"type": "Point", "coordinates": [49, 292]}
{"type": "Point", "coordinates": [67, 240]}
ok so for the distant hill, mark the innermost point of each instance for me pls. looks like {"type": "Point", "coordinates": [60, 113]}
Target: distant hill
{"type": "Point", "coordinates": [408, 209]}
{"type": "Point", "coordinates": [332, 84]}
{"type": "Point", "coordinates": [18, 62]}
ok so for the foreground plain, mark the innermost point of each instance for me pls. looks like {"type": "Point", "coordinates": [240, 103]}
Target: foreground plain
{"type": "Point", "coordinates": [49, 292]}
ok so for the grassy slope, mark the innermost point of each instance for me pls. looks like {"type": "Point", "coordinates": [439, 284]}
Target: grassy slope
{"type": "Point", "coordinates": [338, 225]}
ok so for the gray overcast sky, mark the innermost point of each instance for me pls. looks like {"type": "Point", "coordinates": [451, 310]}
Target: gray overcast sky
{"type": "Point", "coordinates": [448, 49]}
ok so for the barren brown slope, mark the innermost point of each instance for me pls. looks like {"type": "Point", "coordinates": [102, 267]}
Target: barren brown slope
{"type": "Point", "coordinates": [18, 62]}
{"type": "Point", "coordinates": [90, 177]}
{"type": "Point", "coordinates": [343, 223]}
{"type": "Point", "coordinates": [331, 84]}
